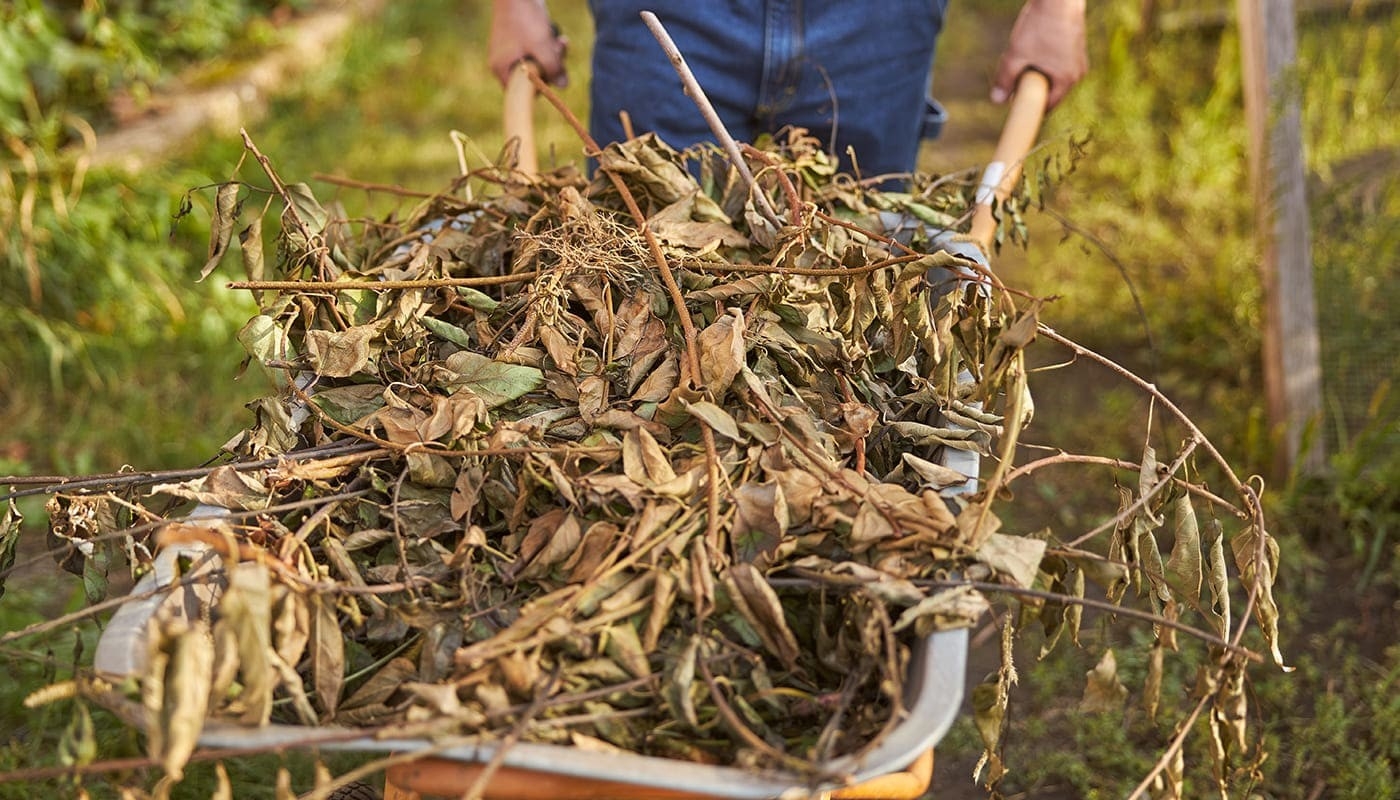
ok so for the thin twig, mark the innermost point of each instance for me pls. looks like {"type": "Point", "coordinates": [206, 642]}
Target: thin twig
{"type": "Point", "coordinates": [1118, 463]}
{"type": "Point", "coordinates": [1143, 500]}
{"type": "Point", "coordinates": [789, 190]}
{"type": "Point", "coordinates": [1177, 741]}
{"type": "Point", "coordinates": [832, 272]}
{"type": "Point", "coordinates": [808, 578]}
{"type": "Point", "coordinates": [381, 286]}
{"type": "Point", "coordinates": [372, 187]}
{"type": "Point", "coordinates": [537, 705]}
{"type": "Point", "coordinates": [289, 209]}
{"type": "Point", "coordinates": [51, 484]}
{"type": "Point", "coordinates": [1151, 389]}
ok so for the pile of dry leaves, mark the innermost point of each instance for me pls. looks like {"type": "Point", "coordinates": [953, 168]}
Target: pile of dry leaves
{"type": "Point", "coordinates": [622, 462]}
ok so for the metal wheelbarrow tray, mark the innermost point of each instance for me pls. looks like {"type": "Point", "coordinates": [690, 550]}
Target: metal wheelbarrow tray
{"type": "Point", "coordinates": [933, 689]}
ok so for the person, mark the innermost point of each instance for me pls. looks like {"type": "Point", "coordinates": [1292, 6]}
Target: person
{"type": "Point", "coordinates": [856, 75]}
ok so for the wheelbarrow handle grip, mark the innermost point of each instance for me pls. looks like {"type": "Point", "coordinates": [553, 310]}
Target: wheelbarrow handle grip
{"type": "Point", "coordinates": [1018, 135]}
{"type": "Point", "coordinates": [518, 115]}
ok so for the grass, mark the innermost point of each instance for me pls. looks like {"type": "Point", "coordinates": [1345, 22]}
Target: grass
{"type": "Point", "coordinates": [1159, 204]}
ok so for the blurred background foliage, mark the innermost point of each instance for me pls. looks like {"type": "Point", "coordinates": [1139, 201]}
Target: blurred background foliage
{"type": "Point", "coordinates": [114, 355]}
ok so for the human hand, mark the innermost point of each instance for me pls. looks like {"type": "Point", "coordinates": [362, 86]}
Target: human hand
{"type": "Point", "coordinates": [522, 29]}
{"type": "Point", "coordinates": [1049, 38]}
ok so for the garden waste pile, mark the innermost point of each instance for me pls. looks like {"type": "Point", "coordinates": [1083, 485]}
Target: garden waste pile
{"type": "Point", "coordinates": [540, 471]}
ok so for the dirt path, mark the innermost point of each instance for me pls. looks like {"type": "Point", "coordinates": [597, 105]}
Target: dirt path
{"type": "Point", "coordinates": [184, 110]}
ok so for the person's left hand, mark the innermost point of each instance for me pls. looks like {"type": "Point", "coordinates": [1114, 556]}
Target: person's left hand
{"type": "Point", "coordinates": [1049, 38]}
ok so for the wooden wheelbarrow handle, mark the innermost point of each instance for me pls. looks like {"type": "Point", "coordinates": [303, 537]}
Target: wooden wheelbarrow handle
{"type": "Point", "coordinates": [518, 116]}
{"type": "Point", "coordinates": [1018, 135]}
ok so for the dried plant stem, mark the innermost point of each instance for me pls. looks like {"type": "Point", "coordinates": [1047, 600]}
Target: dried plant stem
{"type": "Point", "coordinates": [51, 484]}
{"type": "Point", "coordinates": [385, 188]}
{"type": "Point", "coordinates": [1144, 498]}
{"type": "Point", "coordinates": [1254, 509]}
{"type": "Point", "coordinates": [789, 190]}
{"type": "Point", "coordinates": [1151, 389]}
{"type": "Point", "coordinates": [834, 272]}
{"type": "Point", "coordinates": [1117, 463]}
{"type": "Point", "coordinates": [694, 91]}
{"type": "Point", "coordinates": [381, 286]}
{"type": "Point", "coordinates": [1177, 741]}
{"type": "Point", "coordinates": [289, 210]}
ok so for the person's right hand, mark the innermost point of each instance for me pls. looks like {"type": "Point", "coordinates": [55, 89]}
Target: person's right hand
{"type": "Point", "coordinates": [1048, 37]}
{"type": "Point", "coordinates": [522, 29]}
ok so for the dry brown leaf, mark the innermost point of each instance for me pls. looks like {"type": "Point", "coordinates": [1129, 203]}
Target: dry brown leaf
{"type": "Point", "coordinates": [246, 611]}
{"type": "Point", "coordinates": [1256, 557]}
{"type": "Point", "coordinates": [327, 654]}
{"type": "Point", "coordinates": [176, 691]}
{"type": "Point", "coordinates": [1015, 557]}
{"type": "Point", "coordinates": [755, 599]}
{"type": "Point", "coordinates": [1103, 692]}
{"type": "Point", "coordinates": [340, 354]}
{"type": "Point", "coordinates": [643, 460]}
{"type": "Point", "coordinates": [1184, 567]}
{"type": "Point", "coordinates": [721, 347]}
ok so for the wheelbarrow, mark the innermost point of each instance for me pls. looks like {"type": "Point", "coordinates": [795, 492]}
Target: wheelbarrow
{"type": "Point", "coordinates": [899, 766]}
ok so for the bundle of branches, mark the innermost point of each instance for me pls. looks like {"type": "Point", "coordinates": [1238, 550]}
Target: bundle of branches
{"type": "Point", "coordinates": [631, 462]}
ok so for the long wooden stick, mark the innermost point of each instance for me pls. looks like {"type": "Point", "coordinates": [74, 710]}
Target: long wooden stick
{"type": "Point", "coordinates": [707, 110]}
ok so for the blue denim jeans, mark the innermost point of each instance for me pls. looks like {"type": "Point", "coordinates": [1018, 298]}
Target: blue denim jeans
{"type": "Point", "coordinates": [855, 74]}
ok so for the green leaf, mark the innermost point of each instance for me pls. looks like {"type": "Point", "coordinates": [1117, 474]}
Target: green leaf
{"type": "Point", "coordinates": [95, 569]}
{"type": "Point", "coordinates": [494, 382]}
{"type": "Point", "coordinates": [477, 299]}
{"type": "Point", "coordinates": [349, 404]}
{"type": "Point", "coordinates": [307, 206]}
{"type": "Point", "coordinates": [448, 331]}
{"type": "Point", "coordinates": [265, 340]}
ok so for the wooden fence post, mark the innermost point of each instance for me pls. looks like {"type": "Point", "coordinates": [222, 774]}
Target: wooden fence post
{"type": "Point", "coordinates": [1292, 363]}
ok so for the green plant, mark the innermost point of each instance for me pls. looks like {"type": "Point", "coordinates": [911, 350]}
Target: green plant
{"type": "Point", "coordinates": [96, 284]}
